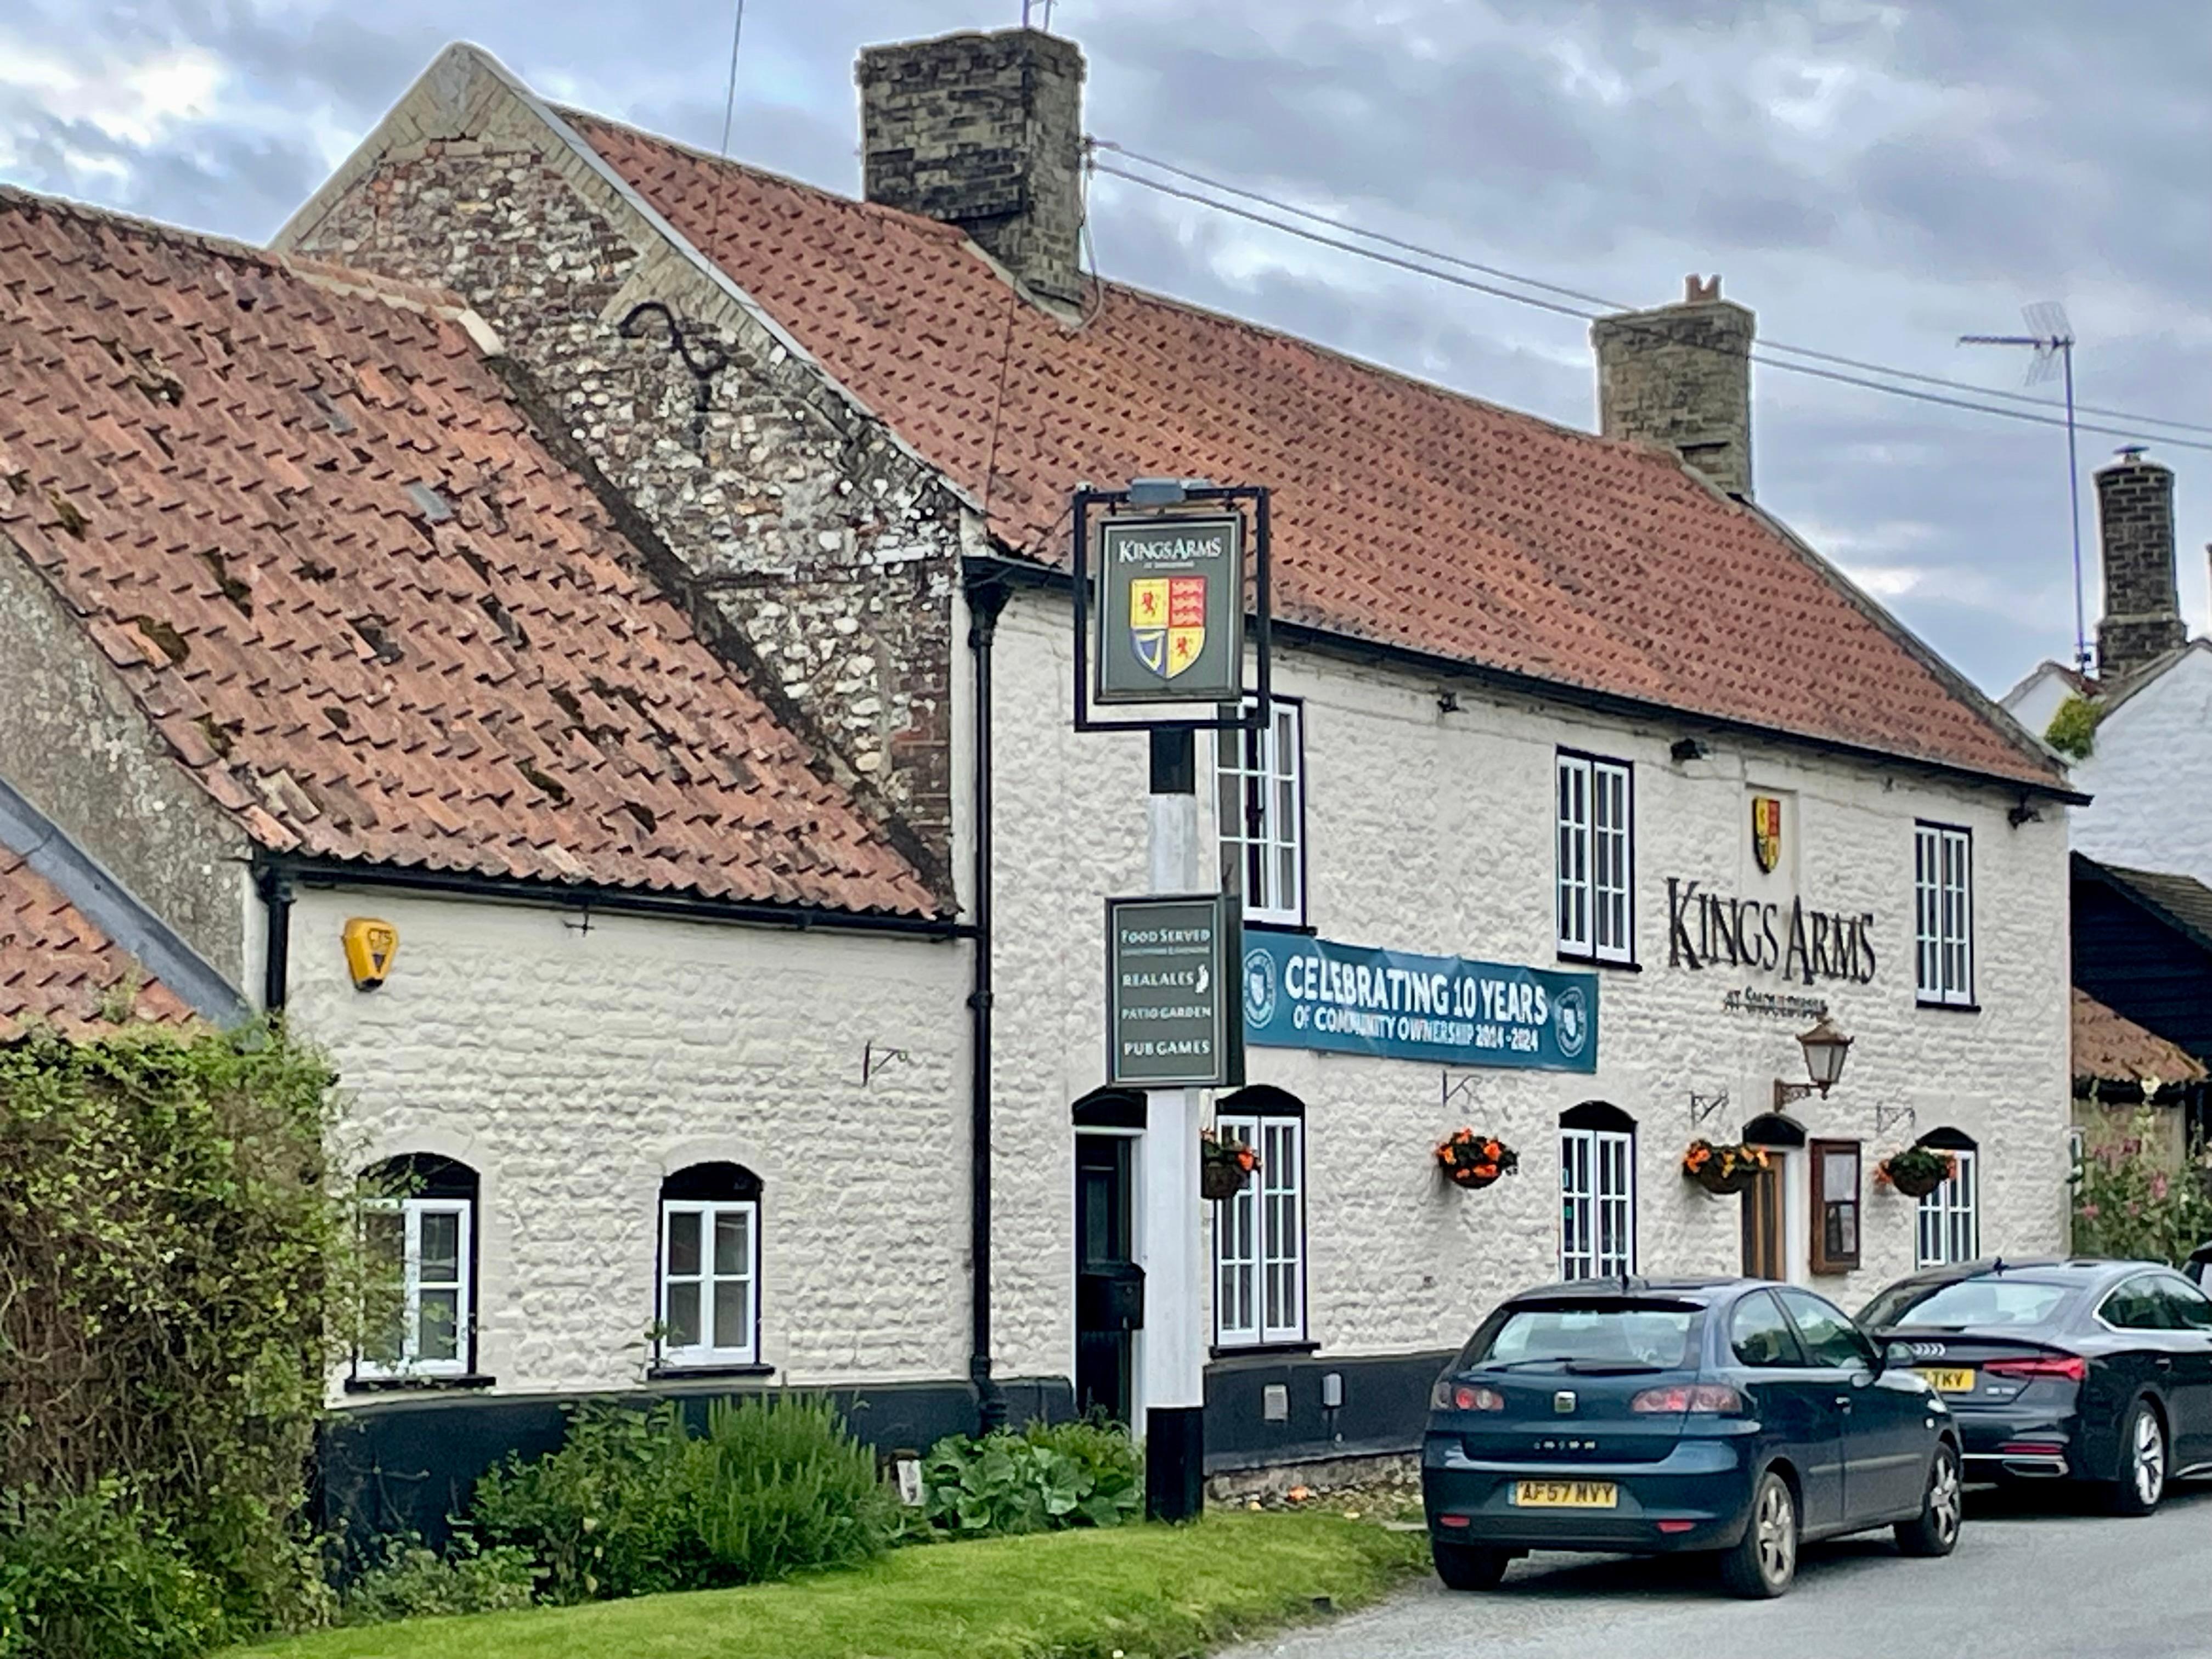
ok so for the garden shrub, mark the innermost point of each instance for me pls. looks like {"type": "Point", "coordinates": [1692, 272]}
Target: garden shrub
{"type": "Point", "coordinates": [1069, 1474]}
{"type": "Point", "coordinates": [409, 1580]}
{"type": "Point", "coordinates": [632, 1504]}
{"type": "Point", "coordinates": [173, 1265]}
{"type": "Point", "coordinates": [606, 1514]}
{"type": "Point", "coordinates": [97, 1576]}
{"type": "Point", "coordinates": [780, 1485]}
{"type": "Point", "coordinates": [2128, 1204]}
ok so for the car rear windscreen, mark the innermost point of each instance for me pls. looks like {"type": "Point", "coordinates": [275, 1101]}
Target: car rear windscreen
{"type": "Point", "coordinates": [1973, 1304]}
{"type": "Point", "coordinates": [1653, 1334]}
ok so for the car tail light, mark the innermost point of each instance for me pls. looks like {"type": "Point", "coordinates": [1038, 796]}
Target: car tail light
{"type": "Point", "coordinates": [1450, 1396]}
{"type": "Point", "coordinates": [2033, 1449]}
{"type": "Point", "coordinates": [1688, 1397]}
{"type": "Point", "coordinates": [2071, 1366]}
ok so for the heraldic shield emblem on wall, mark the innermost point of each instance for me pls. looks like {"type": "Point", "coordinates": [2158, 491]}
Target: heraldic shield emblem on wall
{"type": "Point", "coordinates": [1767, 831]}
{"type": "Point", "coordinates": [1167, 621]}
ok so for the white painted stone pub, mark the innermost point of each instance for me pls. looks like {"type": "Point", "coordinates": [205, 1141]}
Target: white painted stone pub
{"type": "Point", "coordinates": [1530, 683]}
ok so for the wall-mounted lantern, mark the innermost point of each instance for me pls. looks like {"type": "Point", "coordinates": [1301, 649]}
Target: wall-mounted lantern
{"type": "Point", "coordinates": [1826, 1047]}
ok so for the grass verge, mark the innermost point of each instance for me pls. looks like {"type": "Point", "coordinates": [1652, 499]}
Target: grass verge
{"type": "Point", "coordinates": [1149, 1592]}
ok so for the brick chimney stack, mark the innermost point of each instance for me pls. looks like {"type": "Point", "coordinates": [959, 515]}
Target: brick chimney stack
{"type": "Point", "coordinates": [984, 131]}
{"type": "Point", "coordinates": [1680, 375]}
{"type": "Point", "coordinates": [2143, 606]}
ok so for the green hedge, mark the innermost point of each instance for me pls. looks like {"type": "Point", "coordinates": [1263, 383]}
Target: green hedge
{"type": "Point", "coordinates": [172, 1259]}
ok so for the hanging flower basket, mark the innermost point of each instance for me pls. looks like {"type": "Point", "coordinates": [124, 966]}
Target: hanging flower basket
{"type": "Point", "coordinates": [1224, 1166]}
{"type": "Point", "coordinates": [1916, 1172]}
{"type": "Point", "coordinates": [1472, 1160]}
{"type": "Point", "coordinates": [1724, 1169]}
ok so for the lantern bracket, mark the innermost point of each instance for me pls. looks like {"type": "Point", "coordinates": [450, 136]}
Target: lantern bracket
{"type": "Point", "coordinates": [1702, 1107]}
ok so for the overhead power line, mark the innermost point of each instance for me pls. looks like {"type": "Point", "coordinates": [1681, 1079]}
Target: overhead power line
{"type": "Point", "coordinates": [1425, 261]}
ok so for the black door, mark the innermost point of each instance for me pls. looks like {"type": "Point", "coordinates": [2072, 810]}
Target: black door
{"type": "Point", "coordinates": [1109, 1288]}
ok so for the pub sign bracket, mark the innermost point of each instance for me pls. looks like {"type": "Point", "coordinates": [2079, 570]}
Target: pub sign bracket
{"type": "Point", "coordinates": [1160, 600]}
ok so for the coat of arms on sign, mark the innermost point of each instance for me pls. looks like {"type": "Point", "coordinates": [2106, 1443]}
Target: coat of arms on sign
{"type": "Point", "coordinates": [1167, 621]}
{"type": "Point", "coordinates": [1767, 831]}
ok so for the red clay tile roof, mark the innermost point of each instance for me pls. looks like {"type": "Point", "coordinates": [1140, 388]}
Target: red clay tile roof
{"type": "Point", "coordinates": [57, 967]}
{"type": "Point", "coordinates": [373, 617]}
{"type": "Point", "coordinates": [2109, 1048]}
{"type": "Point", "coordinates": [1403, 514]}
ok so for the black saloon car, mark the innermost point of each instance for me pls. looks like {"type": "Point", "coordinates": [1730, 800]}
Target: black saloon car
{"type": "Point", "coordinates": [2086, 1370]}
{"type": "Point", "coordinates": [1728, 1416]}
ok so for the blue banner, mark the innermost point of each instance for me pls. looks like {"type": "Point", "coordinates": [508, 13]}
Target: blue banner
{"type": "Point", "coordinates": [1310, 993]}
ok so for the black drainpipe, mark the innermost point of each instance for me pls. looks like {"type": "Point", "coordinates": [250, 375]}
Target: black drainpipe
{"type": "Point", "coordinates": [985, 601]}
{"type": "Point", "coordinates": [277, 960]}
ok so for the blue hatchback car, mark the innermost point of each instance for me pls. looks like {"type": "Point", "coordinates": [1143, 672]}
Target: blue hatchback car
{"type": "Point", "coordinates": [1726, 1416]}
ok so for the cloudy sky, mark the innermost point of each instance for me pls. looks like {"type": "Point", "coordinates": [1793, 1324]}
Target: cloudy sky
{"type": "Point", "coordinates": [1873, 178]}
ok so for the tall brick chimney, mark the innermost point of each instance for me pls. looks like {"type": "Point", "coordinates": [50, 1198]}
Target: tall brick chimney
{"type": "Point", "coordinates": [984, 131]}
{"type": "Point", "coordinates": [1680, 375]}
{"type": "Point", "coordinates": [2143, 606]}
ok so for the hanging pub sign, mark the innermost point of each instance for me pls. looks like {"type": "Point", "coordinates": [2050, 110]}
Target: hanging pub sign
{"type": "Point", "coordinates": [1171, 609]}
{"type": "Point", "coordinates": [1346, 999]}
{"type": "Point", "coordinates": [1171, 1012]}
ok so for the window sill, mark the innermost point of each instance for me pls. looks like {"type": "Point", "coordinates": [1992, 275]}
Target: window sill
{"type": "Point", "coordinates": [671, 1373]}
{"type": "Point", "coordinates": [1948, 1007]}
{"type": "Point", "coordinates": [417, 1384]}
{"type": "Point", "coordinates": [1603, 962]}
{"type": "Point", "coordinates": [1303, 930]}
{"type": "Point", "coordinates": [1260, 1350]}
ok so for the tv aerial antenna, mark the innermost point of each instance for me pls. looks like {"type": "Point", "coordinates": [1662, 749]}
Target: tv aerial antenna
{"type": "Point", "coordinates": [2051, 338]}
{"type": "Point", "coordinates": [1040, 9]}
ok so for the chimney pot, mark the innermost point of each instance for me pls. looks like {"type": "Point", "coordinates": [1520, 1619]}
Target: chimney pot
{"type": "Point", "coordinates": [1680, 375]}
{"type": "Point", "coordinates": [985, 132]}
{"type": "Point", "coordinates": [2143, 606]}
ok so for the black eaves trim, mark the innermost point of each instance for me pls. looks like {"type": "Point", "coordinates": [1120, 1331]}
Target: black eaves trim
{"type": "Point", "coordinates": [684, 904]}
{"type": "Point", "coordinates": [659, 1373]}
{"type": "Point", "coordinates": [417, 1384]}
{"type": "Point", "coordinates": [1346, 647]}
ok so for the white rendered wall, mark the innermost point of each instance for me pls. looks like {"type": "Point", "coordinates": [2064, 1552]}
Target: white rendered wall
{"type": "Point", "coordinates": [1433, 832]}
{"type": "Point", "coordinates": [2150, 775]}
{"type": "Point", "coordinates": [574, 1070]}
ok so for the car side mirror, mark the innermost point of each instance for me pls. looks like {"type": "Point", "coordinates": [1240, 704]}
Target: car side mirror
{"type": "Point", "coordinates": [1896, 1354]}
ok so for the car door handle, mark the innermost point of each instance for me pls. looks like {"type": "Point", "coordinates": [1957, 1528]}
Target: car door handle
{"type": "Point", "coordinates": [2163, 1363]}
{"type": "Point", "coordinates": [1844, 1400]}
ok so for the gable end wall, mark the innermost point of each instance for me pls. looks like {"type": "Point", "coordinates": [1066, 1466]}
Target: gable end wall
{"type": "Point", "coordinates": [795, 516]}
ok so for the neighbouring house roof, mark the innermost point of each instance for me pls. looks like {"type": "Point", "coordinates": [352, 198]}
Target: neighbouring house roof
{"type": "Point", "coordinates": [57, 968]}
{"type": "Point", "coordinates": [306, 521]}
{"type": "Point", "coordinates": [2117, 693]}
{"type": "Point", "coordinates": [2109, 1048]}
{"type": "Point", "coordinates": [1404, 514]}
{"type": "Point", "coordinates": [2182, 902]}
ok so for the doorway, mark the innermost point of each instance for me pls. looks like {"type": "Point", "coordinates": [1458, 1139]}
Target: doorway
{"type": "Point", "coordinates": [1110, 1287]}
{"type": "Point", "coordinates": [1774, 1244]}
{"type": "Point", "coordinates": [1764, 1240]}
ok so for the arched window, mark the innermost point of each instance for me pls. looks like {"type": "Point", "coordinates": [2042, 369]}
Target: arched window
{"type": "Point", "coordinates": [1597, 1191]}
{"type": "Point", "coordinates": [1260, 1235]}
{"type": "Point", "coordinates": [710, 1295]}
{"type": "Point", "coordinates": [1951, 1215]}
{"type": "Point", "coordinates": [418, 1234]}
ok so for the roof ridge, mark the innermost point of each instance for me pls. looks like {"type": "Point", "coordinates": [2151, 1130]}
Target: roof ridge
{"type": "Point", "coordinates": [442, 304]}
{"type": "Point", "coordinates": [926, 225]}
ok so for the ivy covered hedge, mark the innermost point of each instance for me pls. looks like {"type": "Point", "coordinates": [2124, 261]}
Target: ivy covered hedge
{"type": "Point", "coordinates": [173, 1264]}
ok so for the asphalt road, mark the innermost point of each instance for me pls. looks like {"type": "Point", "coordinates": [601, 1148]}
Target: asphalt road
{"type": "Point", "coordinates": [2038, 1580]}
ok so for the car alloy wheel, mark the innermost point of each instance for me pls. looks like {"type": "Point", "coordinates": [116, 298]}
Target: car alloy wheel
{"type": "Point", "coordinates": [1778, 1535]}
{"type": "Point", "coordinates": [1764, 1562]}
{"type": "Point", "coordinates": [2147, 1458]}
{"type": "Point", "coordinates": [1935, 1530]}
